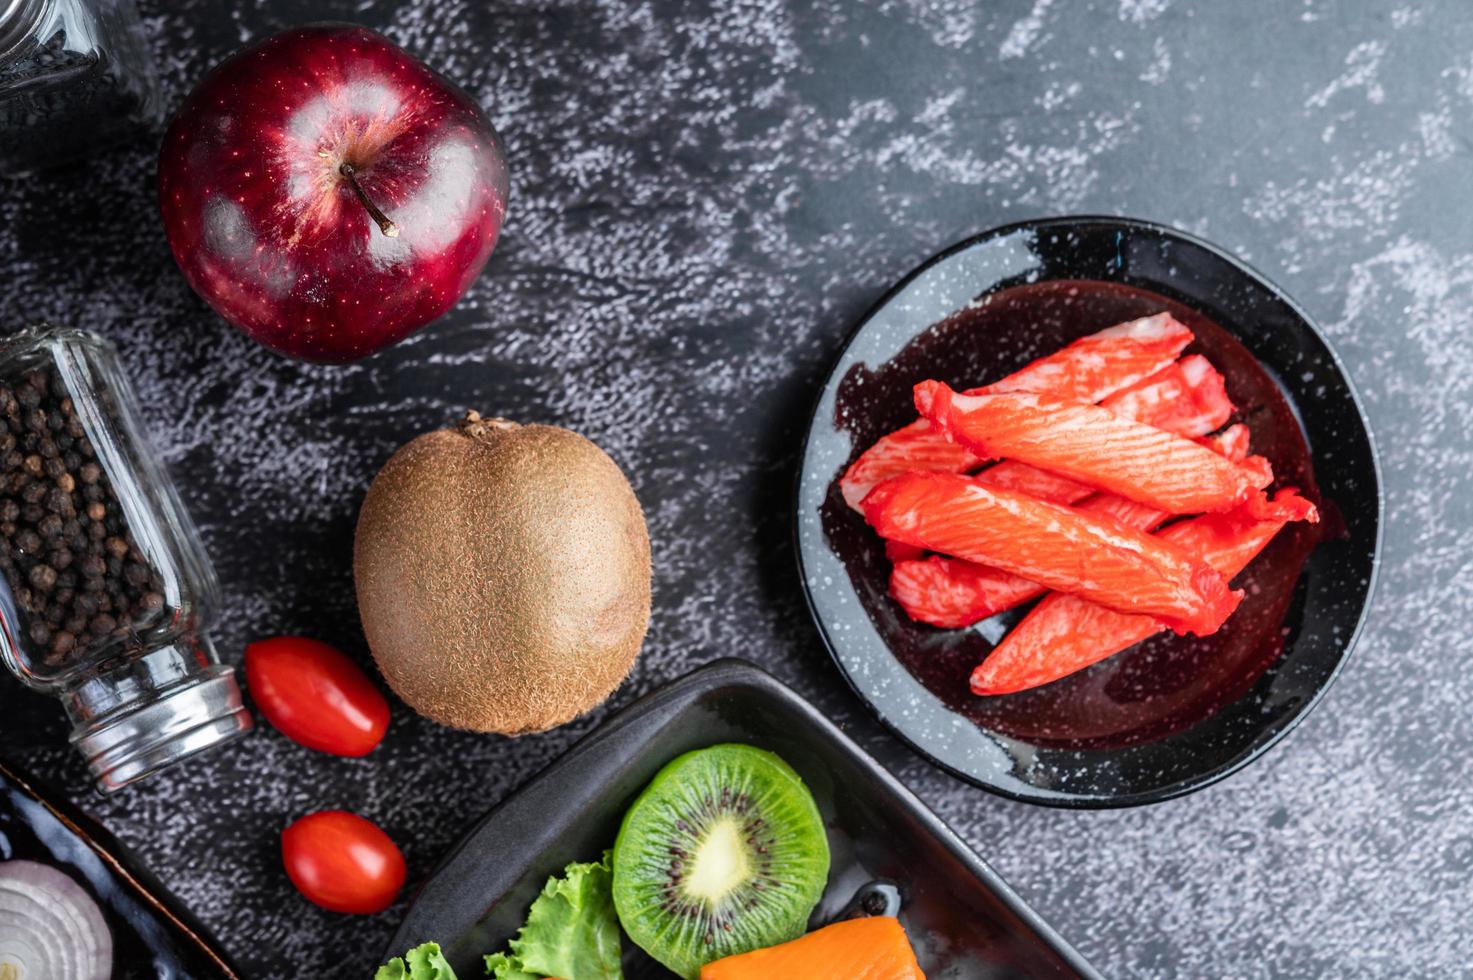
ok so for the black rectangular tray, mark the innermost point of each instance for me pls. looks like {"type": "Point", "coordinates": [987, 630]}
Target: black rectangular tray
{"type": "Point", "coordinates": [962, 918]}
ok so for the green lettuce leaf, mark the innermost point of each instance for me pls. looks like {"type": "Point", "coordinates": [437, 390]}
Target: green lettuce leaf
{"type": "Point", "coordinates": [571, 932]}
{"type": "Point", "coordinates": [424, 963]}
{"type": "Point", "coordinates": [503, 967]}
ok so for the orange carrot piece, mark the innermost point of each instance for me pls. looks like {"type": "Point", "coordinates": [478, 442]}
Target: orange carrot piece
{"type": "Point", "coordinates": [1093, 445]}
{"type": "Point", "coordinates": [874, 948]}
{"type": "Point", "coordinates": [1059, 547]}
{"type": "Point", "coordinates": [1089, 369]}
{"type": "Point", "coordinates": [1064, 634]}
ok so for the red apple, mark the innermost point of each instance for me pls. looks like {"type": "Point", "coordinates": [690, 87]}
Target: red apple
{"type": "Point", "coordinates": [328, 193]}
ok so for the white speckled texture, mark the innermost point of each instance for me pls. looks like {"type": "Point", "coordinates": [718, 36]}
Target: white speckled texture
{"type": "Point", "coordinates": [703, 203]}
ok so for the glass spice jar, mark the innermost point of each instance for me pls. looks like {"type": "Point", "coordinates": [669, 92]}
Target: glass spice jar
{"type": "Point", "coordinates": [106, 593]}
{"type": "Point", "coordinates": [75, 76]}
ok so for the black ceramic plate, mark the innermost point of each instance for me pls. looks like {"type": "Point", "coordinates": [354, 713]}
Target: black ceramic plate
{"type": "Point", "coordinates": [1172, 714]}
{"type": "Point", "coordinates": [963, 919]}
{"type": "Point", "coordinates": [151, 936]}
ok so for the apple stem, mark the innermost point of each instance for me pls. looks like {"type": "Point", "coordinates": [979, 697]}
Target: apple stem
{"type": "Point", "coordinates": [386, 226]}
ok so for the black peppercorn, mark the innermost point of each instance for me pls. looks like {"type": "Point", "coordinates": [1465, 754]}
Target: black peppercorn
{"type": "Point", "coordinates": [77, 577]}
{"type": "Point", "coordinates": [59, 501]}
{"type": "Point", "coordinates": [43, 577]}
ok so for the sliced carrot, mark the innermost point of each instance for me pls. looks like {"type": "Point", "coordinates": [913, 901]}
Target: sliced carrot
{"type": "Point", "coordinates": [1062, 548]}
{"type": "Point", "coordinates": [874, 948]}
{"type": "Point", "coordinates": [1064, 633]}
{"type": "Point", "coordinates": [1093, 445]}
{"type": "Point", "coordinates": [1089, 369]}
{"type": "Point", "coordinates": [952, 594]}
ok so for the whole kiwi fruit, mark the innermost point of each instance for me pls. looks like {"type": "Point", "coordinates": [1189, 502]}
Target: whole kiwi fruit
{"type": "Point", "coordinates": [503, 575]}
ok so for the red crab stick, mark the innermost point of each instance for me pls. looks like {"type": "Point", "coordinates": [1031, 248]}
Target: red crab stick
{"type": "Point", "coordinates": [1065, 633]}
{"type": "Point", "coordinates": [1188, 397]}
{"type": "Point", "coordinates": [1093, 445]}
{"type": "Point", "coordinates": [1089, 369]}
{"type": "Point", "coordinates": [1058, 547]}
{"type": "Point", "coordinates": [953, 594]}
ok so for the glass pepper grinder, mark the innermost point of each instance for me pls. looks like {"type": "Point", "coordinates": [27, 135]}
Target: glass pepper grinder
{"type": "Point", "coordinates": [106, 594]}
{"type": "Point", "coordinates": [75, 75]}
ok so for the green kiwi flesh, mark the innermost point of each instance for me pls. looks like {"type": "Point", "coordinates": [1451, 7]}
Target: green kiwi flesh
{"type": "Point", "coordinates": [723, 852]}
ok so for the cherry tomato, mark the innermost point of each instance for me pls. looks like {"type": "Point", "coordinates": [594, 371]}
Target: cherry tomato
{"type": "Point", "coordinates": [342, 862]}
{"type": "Point", "coordinates": [315, 695]}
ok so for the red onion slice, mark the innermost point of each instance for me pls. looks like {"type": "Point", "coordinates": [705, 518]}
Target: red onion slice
{"type": "Point", "coordinates": [50, 927]}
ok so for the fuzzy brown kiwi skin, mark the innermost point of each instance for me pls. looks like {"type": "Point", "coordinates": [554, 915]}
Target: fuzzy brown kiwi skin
{"type": "Point", "coordinates": [503, 575]}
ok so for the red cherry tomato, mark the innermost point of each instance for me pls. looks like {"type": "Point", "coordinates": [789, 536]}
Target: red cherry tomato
{"type": "Point", "coordinates": [315, 695]}
{"type": "Point", "coordinates": [342, 862]}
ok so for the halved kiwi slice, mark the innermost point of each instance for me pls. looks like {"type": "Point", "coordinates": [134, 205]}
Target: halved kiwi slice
{"type": "Point", "coordinates": [722, 853]}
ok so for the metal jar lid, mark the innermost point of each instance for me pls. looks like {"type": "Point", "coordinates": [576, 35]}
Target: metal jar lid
{"type": "Point", "coordinates": [125, 738]}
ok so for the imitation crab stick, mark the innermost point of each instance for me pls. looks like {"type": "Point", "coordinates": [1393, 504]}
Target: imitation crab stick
{"type": "Point", "coordinates": [1065, 633]}
{"type": "Point", "coordinates": [1088, 370]}
{"type": "Point", "coordinates": [1093, 445]}
{"type": "Point", "coordinates": [1188, 397]}
{"type": "Point", "coordinates": [951, 593]}
{"type": "Point", "coordinates": [874, 948]}
{"type": "Point", "coordinates": [1062, 548]}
